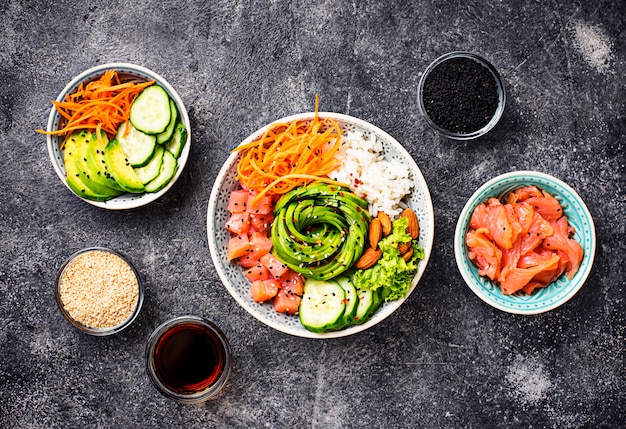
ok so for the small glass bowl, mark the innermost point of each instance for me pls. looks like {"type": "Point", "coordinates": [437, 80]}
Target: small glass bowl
{"type": "Point", "coordinates": [163, 350]}
{"type": "Point", "coordinates": [95, 330]}
{"type": "Point", "coordinates": [499, 84]}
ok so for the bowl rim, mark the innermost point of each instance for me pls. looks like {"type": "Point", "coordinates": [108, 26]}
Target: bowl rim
{"type": "Point", "coordinates": [501, 96]}
{"type": "Point", "coordinates": [472, 202]}
{"type": "Point", "coordinates": [429, 224]}
{"type": "Point", "coordinates": [99, 332]}
{"type": "Point", "coordinates": [52, 146]}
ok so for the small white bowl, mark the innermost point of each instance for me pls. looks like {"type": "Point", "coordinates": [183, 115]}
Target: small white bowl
{"type": "Point", "coordinates": [126, 200]}
{"type": "Point", "coordinates": [559, 291]}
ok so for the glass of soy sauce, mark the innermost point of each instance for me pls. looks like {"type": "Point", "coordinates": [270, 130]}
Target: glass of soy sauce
{"type": "Point", "coordinates": [188, 359]}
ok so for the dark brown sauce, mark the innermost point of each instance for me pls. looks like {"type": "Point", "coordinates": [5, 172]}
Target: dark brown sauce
{"type": "Point", "coordinates": [188, 358]}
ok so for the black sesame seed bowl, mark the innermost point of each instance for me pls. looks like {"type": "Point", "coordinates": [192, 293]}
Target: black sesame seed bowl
{"type": "Point", "coordinates": [461, 95]}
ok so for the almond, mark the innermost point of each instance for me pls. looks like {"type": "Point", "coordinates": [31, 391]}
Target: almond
{"type": "Point", "coordinates": [369, 258]}
{"type": "Point", "coordinates": [385, 222]}
{"type": "Point", "coordinates": [407, 255]}
{"type": "Point", "coordinates": [404, 247]}
{"type": "Point", "coordinates": [375, 232]}
{"type": "Point", "coordinates": [413, 229]}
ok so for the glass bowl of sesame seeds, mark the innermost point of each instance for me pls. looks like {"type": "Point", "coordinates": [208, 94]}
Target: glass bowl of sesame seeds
{"type": "Point", "coordinates": [461, 95]}
{"type": "Point", "coordinates": [99, 291]}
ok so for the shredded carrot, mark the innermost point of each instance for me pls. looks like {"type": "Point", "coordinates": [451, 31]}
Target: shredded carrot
{"type": "Point", "coordinates": [100, 104]}
{"type": "Point", "coordinates": [289, 155]}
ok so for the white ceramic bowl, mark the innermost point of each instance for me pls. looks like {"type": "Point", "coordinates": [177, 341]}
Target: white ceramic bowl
{"type": "Point", "coordinates": [127, 200]}
{"type": "Point", "coordinates": [231, 274]}
{"type": "Point", "coordinates": [559, 291]}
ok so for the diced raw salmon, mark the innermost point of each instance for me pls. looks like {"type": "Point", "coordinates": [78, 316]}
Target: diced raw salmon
{"type": "Point", "coordinates": [263, 205]}
{"type": "Point", "coordinates": [238, 246]}
{"type": "Point", "coordinates": [260, 244]}
{"type": "Point", "coordinates": [261, 222]}
{"type": "Point", "coordinates": [248, 261]}
{"type": "Point", "coordinates": [286, 302]}
{"type": "Point", "coordinates": [238, 201]}
{"type": "Point", "coordinates": [238, 223]}
{"type": "Point", "coordinates": [264, 290]}
{"type": "Point", "coordinates": [292, 282]}
{"type": "Point", "coordinates": [275, 267]}
{"type": "Point", "coordinates": [258, 272]}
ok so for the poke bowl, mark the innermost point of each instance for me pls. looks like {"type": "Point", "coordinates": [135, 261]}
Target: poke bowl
{"type": "Point", "coordinates": [157, 156]}
{"type": "Point", "coordinates": [503, 284]}
{"type": "Point", "coordinates": [233, 275]}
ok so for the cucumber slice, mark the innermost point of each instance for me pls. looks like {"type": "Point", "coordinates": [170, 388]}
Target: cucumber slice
{"type": "Point", "coordinates": [138, 146]}
{"type": "Point", "coordinates": [120, 168]}
{"type": "Point", "coordinates": [366, 305]}
{"type": "Point", "coordinates": [322, 306]}
{"type": "Point", "coordinates": [166, 135]}
{"type": "Point", "coordinates": [72, 176]}
{"type": "Point", "coordinates": [96, 161]}
{"type": "Point", "coordinates": [151, 170]}
{"type": "Point", "coordinates": [176, 143]}
{"type": "Point", "coordinates": [351, 300]}
{"type": "Point", "coordinates": [150, 111]}
{"type": "Point", "coordinates": [168, 169]}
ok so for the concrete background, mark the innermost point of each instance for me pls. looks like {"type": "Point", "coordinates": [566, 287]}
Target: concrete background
{"type": "Point", "coordinates": [445, 359]}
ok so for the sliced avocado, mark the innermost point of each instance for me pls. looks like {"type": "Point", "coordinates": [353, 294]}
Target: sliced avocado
{"type": "Point", "coordinates": [96, 161]}
{"type": "Point", "coordinates": [121, 170]}
{"type": "Point", "coordinates": [89, 176]}
{"type": "Point", "coordinates": [72, 175]}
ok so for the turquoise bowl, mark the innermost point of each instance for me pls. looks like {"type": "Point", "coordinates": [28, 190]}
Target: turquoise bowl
{"type": "Point", "coordinates": [558, 292]}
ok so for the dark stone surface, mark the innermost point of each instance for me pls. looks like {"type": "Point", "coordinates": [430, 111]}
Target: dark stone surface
{"type": "Point", "coordinates": [445, 359]}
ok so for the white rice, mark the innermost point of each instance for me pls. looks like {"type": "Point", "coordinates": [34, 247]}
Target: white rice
{"type": "Point", "coordinates": [383, 183]}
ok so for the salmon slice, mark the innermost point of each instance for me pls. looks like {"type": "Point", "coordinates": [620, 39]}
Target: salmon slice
{"type": "Point", "coordinates": [561, 241]}
{"type": "Point", "coordinates": [520, 277]}
{"type": "Point", "coordinates": [524, 213]}
{"type": "Point", "coordinates": [524, 244]}
{"type": "Point", "coordinates": [484, 253]}
{"type": "Point", "coordinates": [547, 206]}
{"type": "Point", "coordinates": [538, 231]}
{"type": "Point", "coordinates": [510, 259]}
{"type": "Point", "coordinates": [493, 216]}
{"type": "Point", "coordinates": [522, 194]}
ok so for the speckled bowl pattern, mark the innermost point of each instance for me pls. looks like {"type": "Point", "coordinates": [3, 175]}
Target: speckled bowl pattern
{"type": "Point", "coordinates": [231, 274]}
{"type": "Point", "coordinates": [127, 200]}
{"type": "Point", "coordinates": [501, 96]}
{"type": "Point", "coordinates": [555, 294]}
{"type": "Point", "coordinates": [99, 332]}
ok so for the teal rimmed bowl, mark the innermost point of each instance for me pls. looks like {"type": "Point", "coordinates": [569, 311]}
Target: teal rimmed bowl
{"type": "Point", "coordinates": [558, 292]}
